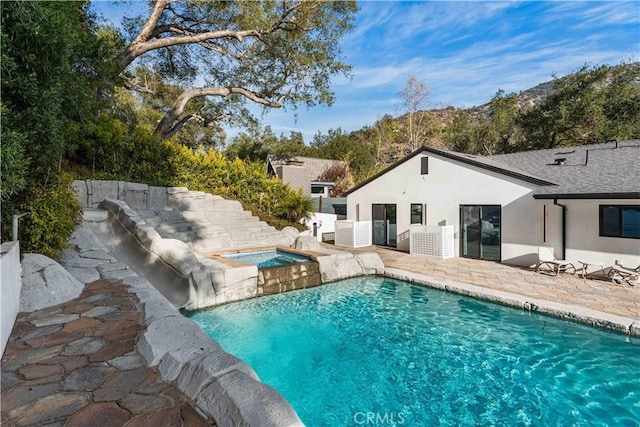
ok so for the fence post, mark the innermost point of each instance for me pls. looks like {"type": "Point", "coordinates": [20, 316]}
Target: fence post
{"type": "Point", "coordinates": [14, 225]}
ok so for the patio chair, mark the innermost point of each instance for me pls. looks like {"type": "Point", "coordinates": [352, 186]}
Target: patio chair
{"type": "Point", "coordinates": [552, 265]}
{"type": "Point", "coordinates": [621, 275]}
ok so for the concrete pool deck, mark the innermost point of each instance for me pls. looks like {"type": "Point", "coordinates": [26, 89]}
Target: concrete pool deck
{"type": "Point", "coordinates": [596, 302]}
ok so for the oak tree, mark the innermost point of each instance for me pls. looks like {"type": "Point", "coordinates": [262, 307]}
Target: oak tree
{"type": "Point", "coordinates": [590, 106]}
{"type": "Point", "coordinates": [272, 53]}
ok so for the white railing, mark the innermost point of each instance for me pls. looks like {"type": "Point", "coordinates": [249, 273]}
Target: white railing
{"type": "Point", "coordinates": [432, 240]}
{"type": "Point", "coordinates": [353, 234]}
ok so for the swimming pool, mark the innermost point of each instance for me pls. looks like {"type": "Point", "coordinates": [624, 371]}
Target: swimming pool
{"type": "Point", "coordinates": [267, 258]}
{"type": "Point", "coordinates": [373, 351]}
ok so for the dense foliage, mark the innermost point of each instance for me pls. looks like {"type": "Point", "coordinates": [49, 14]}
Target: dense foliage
{"type": "Point", "coordinates": [53, 215]}
{"type": "Point", "coordinates": [592, 105]}
{"type": "Point", "coordinates": [55, 68]}
{"type": "Point", "coordinates": [64, 107]}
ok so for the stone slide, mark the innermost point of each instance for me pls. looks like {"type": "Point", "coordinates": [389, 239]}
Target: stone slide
{"type": "Point", "coordinates": [117, 322]}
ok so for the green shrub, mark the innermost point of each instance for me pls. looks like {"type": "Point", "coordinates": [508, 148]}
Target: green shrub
{"type": "Point", "coordinates": [54, 213]}
{"type": "Point", "coordinates": [13, 165]}
{"type": "Point", "coordinates": [132, 154]}
{"type": "Point", "coordinates": [296, 206]}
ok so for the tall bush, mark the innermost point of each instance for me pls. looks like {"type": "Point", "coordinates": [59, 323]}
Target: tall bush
{"type": "Point", "coordinates": [53, 214]}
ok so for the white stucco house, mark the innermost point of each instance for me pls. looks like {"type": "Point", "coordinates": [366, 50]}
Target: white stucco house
{"type": "Point", "coordinates": [583, 201]}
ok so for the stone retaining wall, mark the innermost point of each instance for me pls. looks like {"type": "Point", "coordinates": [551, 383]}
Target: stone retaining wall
{"type": "Point", "coordinates": [211, 283]}
{"type": "Point", "coordinates": [91, 193]}
{"type": "Point", "coordinates": [205, 222]}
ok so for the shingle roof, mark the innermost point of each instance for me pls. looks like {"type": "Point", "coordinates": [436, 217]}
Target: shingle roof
{"type": "Point", "coordinates": [317, 166]}
{"type": "Point", "coordinates": [598, 169]}
{"type": "Point", "coordinates": [610, 169]}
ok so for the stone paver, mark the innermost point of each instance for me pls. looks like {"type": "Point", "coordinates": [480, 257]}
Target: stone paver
{"type": "Point", "coordinates": [76, 364]}
{"type": "Point", "coordinates": [570, 290]}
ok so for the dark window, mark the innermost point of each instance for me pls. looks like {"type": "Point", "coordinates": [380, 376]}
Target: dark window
{"type": "Point", "coordinates": [317, 189]}
{"type": "Point", "coordinates": [480, 235]}
{"type": "Point", "coordinates": [620, 221]}
{"type": "Point", "coordinates": [385, 227]}
{"type": "Point", "coordinates": [416, 213]}
{"type": "Point", "coordinates": [340, 209]}
{"type": "Point", "coordinates": [424, 166]}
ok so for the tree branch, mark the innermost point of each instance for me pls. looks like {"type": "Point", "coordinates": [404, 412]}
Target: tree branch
{"type": "Point", "coordinates": [145, 34]}
{"type": "Point", "coordinates": [145, 41]}
{"type": "Point", "coordinates": [170, 121]}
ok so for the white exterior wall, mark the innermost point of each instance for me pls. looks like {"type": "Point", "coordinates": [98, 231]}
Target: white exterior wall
{"type": "Point", "coordinates": [326, 223]}
{"type": "Point", "coordinates": [583, 235]}
{"type": "Point", "coordinates": [448, 185]}
{"type": "Point", "coordinates": [10, 271]}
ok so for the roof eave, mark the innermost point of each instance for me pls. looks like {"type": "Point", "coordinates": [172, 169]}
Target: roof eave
{"type": "Point", "coordinates": [623, 195]}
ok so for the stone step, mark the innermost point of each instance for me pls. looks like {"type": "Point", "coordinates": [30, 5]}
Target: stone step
{"type": "Point", "coordinates": [189, 203]}
{"type": "Point", "coordinates": [268, 235]}
{"type": "Point", "coordinates": [256, 243]}
{"type": "Point", "coordinates": [231, 225]}
{"type": "Point", "coordinates": [230, 234]}
{"type": "Point", "coordinates": [218, 216]}
{"type": "Point", "coordinates": [245, 221]}
{"type": "Point", "coordinates": [95, 215]}
{"type": "Point", "coordinates": [208, 245]}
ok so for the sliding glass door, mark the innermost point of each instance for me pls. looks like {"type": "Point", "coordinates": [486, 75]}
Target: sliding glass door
{"type": "Point", "coordinates": [480, 231]}
{"type": "Point", "coordinates": [385, 228]}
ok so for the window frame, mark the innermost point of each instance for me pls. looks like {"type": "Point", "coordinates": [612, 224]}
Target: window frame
{"type": "Point", "coordinates": [424, 165]}
{"type": "Point", "coordinates": [620, 209]}
{"type": "Point", "coordinates": [411, 214]}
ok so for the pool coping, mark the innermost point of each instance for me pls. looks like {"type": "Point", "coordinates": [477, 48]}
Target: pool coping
{"type": "Point", "coordinates": [571, 312]}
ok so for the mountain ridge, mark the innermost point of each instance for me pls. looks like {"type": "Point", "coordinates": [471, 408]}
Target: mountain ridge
{"type": "Point", "coordinates": [525, 99]}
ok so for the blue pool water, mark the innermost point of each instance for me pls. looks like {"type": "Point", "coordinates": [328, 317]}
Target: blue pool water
{"type": "Point", "coordinates": [373, 351]}
{"type": "Point", "coordinates": [267, 258]}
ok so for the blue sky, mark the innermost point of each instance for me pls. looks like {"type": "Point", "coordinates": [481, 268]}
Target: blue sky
{"type": "Point", "coordinates": [464, 51]}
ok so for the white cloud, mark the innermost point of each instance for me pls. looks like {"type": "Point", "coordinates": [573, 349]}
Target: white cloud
{"type": "Point", "coordinates": [598, 14]}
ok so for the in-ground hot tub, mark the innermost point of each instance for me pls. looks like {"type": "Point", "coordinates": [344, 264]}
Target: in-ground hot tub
{"type": "Point", "coordinates": [280, 269]}
{"type": "Point", "coordinates": [268, 258]}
